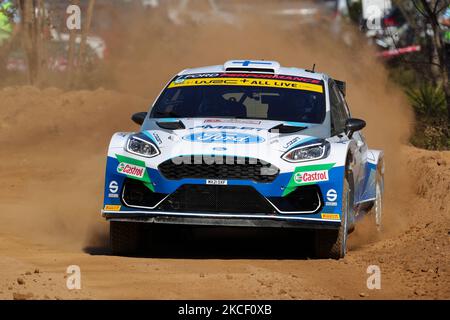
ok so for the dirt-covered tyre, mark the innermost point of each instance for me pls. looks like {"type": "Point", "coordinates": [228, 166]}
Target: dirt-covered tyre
{"type": "Point", "coordinates": [377, 209]}
{"type": "Point", "coordinates": [332, 244]}
{"type": "Point", "coordinates": [125, 237]}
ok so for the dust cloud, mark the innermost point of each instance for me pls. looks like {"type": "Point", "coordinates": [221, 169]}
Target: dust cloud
{"type": "Point", "coordinates": [54, 142]}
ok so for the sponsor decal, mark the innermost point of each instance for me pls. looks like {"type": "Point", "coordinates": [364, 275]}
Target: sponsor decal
{"type": "Point", "coordinates": [312, 176]}
{"type": "Point", "coordinates": [291, 142]}
{"type": "Point", "coordinates": [244, 121]}
{"type": "Point", "coordinates": [135, 169]}
{"type": "Point", "coordinates": [270, 76]}
{"type": "Point", "coordinates": [331, 195]}
{"type": "Point", "coordinates": [247, 75]}
{"type": "Point", "coordinates": [131, 170]}
{"type": "Point", "coordinates": [217, 182]}
{"type": "Point", "coordinates": [223, 137]}
{"type": "Point", "coordinates": [208, 126]}
{"type": "Point", "coordinates": [157, 138]}
{"type": "Point", "coordinates": [197, 76]}
{"type": "Point", "coordinates": [179, 80]}
{"type": "Point", "coordinates": [248, 82]}
{"type": "Point", "coordinates": [112, 207]}
{"type": "Point", "coordinates": [306, 175]}
{"type": "Point", "coordinates": [330, 216]}
{"type": "Point", "coordinates": [113, 187]}
{"type": "Point", "coordinates": [212, 120]}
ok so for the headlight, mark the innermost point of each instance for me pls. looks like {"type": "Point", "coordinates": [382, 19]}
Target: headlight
{"type": "Point", "coordinates": [309, 152]}
{"type": "Point", "coordinates": [141, 147]}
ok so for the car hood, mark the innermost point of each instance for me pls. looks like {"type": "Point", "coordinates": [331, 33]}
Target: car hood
{"type": "Point", "coordinates": [239, 137]}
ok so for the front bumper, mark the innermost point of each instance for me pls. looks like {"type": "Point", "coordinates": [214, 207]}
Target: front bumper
{"type": "Point", "coordinates": [222, 219]}
{"type": "Point", "coordinates": [221, 211]}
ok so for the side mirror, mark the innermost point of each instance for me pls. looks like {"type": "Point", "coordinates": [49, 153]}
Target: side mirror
{"type": "Point", "coordinates": [139, 117]}
{"type": "Point", "coordinates": [352, 125]}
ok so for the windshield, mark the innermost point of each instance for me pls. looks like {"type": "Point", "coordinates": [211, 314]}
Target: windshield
{"type": "Point", "coordinates": [276, 97]}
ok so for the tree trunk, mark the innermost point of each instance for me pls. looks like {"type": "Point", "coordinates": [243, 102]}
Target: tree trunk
{"type": "Point", "coordinates": [29, 39]}
{"type": "Point", "coordinates": [84, 33]}
{"type": "Point", "coordinates": [40, 39]}
{"type": "Point", "coordinates": [71, 53]}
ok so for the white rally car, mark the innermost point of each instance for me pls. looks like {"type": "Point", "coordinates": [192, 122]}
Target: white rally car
{"type": "Point", "coordinates": [248, 143]}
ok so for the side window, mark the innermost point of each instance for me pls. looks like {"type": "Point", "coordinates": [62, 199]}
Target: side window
{"type": "Point", "coordinates": [346, 110]}
{"type": "Point", "coordinates": [338, 112]}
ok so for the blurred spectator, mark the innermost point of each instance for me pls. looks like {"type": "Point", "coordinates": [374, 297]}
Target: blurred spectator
{"type": "Point", "coordinates": [445, 22]}
{"type": "Point", "coordinates": [6, 17]}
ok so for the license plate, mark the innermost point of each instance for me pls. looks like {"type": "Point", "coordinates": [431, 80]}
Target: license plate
{"type": "Point", "coordinates": [217, 182]}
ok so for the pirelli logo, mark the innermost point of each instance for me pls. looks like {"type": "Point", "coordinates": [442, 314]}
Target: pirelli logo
{"type": "Point", "coordinates": [272, 83]}
{"type": "Point", "coordinates": [330, 216]}
{"type": "Point", "coordinates": [112, 207]}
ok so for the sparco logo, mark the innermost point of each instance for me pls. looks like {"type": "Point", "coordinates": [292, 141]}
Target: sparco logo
{"type": "Point", "coordinates": [131, 170]}
{"type": "Point", "coordinates": [311, 176]}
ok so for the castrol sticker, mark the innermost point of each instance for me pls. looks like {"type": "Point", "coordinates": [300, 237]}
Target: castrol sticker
{"type": "Point", "coordinates": [131, 170]}
{"type": "Point", "coordinates": [307, 175]}
{"type": "Point", "coordinates": [311, 176]}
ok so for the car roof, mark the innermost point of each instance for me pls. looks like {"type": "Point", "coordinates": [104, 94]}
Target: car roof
{"type": "Point", "coordinates": [257, 66]}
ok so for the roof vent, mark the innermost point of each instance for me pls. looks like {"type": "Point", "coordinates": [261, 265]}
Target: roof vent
{"type": "Point", "coordinates": [252, 66]}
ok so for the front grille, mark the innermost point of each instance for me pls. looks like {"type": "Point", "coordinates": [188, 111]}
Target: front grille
{"type": "Point", "coordinates": [211, 198]}
{"type": "Point", "coordinates": [200, 198]}
{"type": "Point", "coordinates": [217, 167]}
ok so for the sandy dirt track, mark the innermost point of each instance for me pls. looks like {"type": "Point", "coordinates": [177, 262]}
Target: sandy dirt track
{"type": "Point", "coordinates": [52, 170]}
{"type": "Point", "coordinates": [51, 196]}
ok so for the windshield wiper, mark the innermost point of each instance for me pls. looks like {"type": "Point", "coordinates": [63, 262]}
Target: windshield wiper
{"type": "Point", "coordinates": [252, 118]}
{"type": "Point", "coordinates": [167, 113]}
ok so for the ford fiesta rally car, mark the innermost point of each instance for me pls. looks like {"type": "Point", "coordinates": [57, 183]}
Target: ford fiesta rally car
{"type": "Point", "coordinates": [247, 143]}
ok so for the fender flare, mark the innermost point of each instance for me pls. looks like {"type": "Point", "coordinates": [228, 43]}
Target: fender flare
{"type": "Point", "coordinates": [345, 152]}
{"type": "Point", "coordinates": [376, 158]}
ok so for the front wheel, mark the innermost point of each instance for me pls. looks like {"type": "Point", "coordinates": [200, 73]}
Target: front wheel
{"type": "Point", "coordinates": [332, 244]}
{"type": "Point", "coordinates": [377, 209]}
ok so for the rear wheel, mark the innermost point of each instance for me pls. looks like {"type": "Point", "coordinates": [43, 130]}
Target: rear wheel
{"type": "Point", "coordinates": [125, 237]}
{"type": "Point", "coordinates": [333, 243]}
